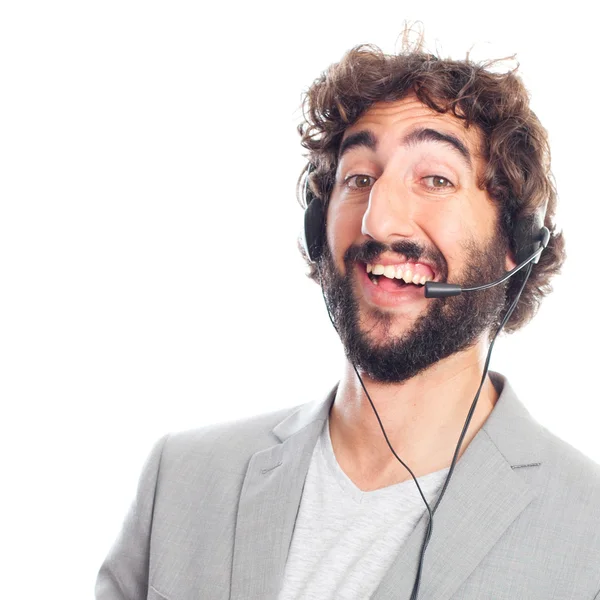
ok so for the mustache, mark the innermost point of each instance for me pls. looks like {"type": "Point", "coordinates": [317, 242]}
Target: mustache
{"type": "Point", "coordinates": [371, 250]}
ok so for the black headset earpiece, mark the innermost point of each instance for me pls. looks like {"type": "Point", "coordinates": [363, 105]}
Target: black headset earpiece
{"type": "Point", "coordinates": [529, 233]}
{"type": "Point", "coordinates": [314, 221]}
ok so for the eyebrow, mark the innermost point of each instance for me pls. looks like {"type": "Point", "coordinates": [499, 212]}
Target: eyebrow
{"type": "Point", "coordinates": [367, 139]}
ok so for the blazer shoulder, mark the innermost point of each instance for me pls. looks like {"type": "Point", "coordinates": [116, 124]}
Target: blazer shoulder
{"type": "Point", "coordinates": [573, 464]}
{"type": "Point", "coordinates": [224, 443]}
{"type": "Point", "coordinates": [574, 468]}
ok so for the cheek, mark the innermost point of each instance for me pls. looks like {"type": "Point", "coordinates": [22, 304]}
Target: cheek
{"type": "Point", "coordinates": [343, 230]}
{"type": "Point", "coordinates": [448, 230]}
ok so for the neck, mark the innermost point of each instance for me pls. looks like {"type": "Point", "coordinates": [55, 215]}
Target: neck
{"type": "Point", "coordinates": [422, 417]}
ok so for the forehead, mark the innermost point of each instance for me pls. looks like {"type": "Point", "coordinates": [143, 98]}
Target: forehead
{"type": "Point", "coordinates": [389, 120]}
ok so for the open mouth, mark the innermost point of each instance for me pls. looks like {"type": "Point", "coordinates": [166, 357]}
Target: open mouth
{"type": "Point", "coordinates": [395, 277]}
{"type": "Point", "coordinates": [387, 282]}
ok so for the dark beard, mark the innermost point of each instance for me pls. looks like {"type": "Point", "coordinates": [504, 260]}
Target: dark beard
{"type": "Point", "coordinates": [448, 325]}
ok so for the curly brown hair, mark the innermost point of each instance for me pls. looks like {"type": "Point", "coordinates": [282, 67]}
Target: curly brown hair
{"type": "Point", "coordinates": [515, 147]}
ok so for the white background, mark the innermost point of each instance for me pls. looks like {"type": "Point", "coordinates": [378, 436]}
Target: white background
{"type": "Point", "coordinates": [150, 277]}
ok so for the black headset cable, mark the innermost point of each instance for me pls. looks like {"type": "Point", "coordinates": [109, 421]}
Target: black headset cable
{"type": "Point", "coordinates": [462, 435]}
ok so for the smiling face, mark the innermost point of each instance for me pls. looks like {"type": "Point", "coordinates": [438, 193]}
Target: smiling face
{"type": "Point", "coordinates": [406, 202]}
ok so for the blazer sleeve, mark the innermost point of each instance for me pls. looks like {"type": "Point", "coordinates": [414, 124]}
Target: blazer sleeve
{"type": "Point", "coordinates": [124, 573]}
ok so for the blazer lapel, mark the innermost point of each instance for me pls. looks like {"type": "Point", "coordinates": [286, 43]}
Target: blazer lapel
{"type": "Point", "coordinates": [269, 503]}
{"type": "Point", "coordinates": [484, 496]}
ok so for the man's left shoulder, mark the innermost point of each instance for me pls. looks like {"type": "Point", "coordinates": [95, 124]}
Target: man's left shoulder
{"type": "Point", "coordinates": [560, 528]}
{"type": "Point", "coordinates": [568, 468]}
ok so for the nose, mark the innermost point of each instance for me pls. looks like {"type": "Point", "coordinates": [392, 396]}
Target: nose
{"type": "Point", "coordinates": [390, 213]}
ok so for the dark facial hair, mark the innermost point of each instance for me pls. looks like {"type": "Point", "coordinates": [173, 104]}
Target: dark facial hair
{"type": "Point", "coordinates": [447, 326]}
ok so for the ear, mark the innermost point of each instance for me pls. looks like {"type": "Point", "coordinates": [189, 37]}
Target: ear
{"type": "Point", "coordinates": [509, 261]}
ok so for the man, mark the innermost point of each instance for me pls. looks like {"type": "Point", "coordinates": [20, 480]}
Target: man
{"type": "Point", "coordinates": [425, 170]}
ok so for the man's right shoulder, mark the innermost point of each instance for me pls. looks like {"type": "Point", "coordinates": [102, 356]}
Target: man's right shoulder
{"type": "Point", "coordinates": [221, 444]}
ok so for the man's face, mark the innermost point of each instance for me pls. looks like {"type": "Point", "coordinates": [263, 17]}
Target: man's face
{"type": "Point", "coordinates": [406, 199]}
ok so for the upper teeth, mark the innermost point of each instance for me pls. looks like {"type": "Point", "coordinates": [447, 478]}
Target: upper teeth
{"type": "Point", "coordinates": [398, 272]}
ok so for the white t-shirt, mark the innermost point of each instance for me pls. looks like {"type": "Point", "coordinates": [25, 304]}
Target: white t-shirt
{"type": "Point", "coordinates": [345, 539]}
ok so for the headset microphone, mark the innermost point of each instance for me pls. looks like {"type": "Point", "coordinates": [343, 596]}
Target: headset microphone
{"type": "Point", "coordinates": [438, 289]}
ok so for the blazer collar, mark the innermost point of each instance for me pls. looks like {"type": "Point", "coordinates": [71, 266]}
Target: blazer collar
{"type": "Point", "coordinates": [485, 495]}
{"type": "Point", "coordinates": [509, 425]}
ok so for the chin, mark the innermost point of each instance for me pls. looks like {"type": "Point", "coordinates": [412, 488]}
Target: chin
{"type": "Point", "coordinates": [382, 330]}
{"type": "Point", "coordinates": [395, 321]}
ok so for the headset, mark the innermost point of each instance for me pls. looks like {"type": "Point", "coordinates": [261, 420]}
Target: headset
{"type": "Point", "coordinates": [529, 236]}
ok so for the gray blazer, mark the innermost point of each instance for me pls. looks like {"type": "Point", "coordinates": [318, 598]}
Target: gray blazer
{"type": "Point", "coordinates": [215, 511]}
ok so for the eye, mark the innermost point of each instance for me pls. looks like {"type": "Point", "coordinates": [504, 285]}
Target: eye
{"type": "Point", "coordinates": [437, 182]}
{"type": "Point", "coordinates": [359, 182]}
